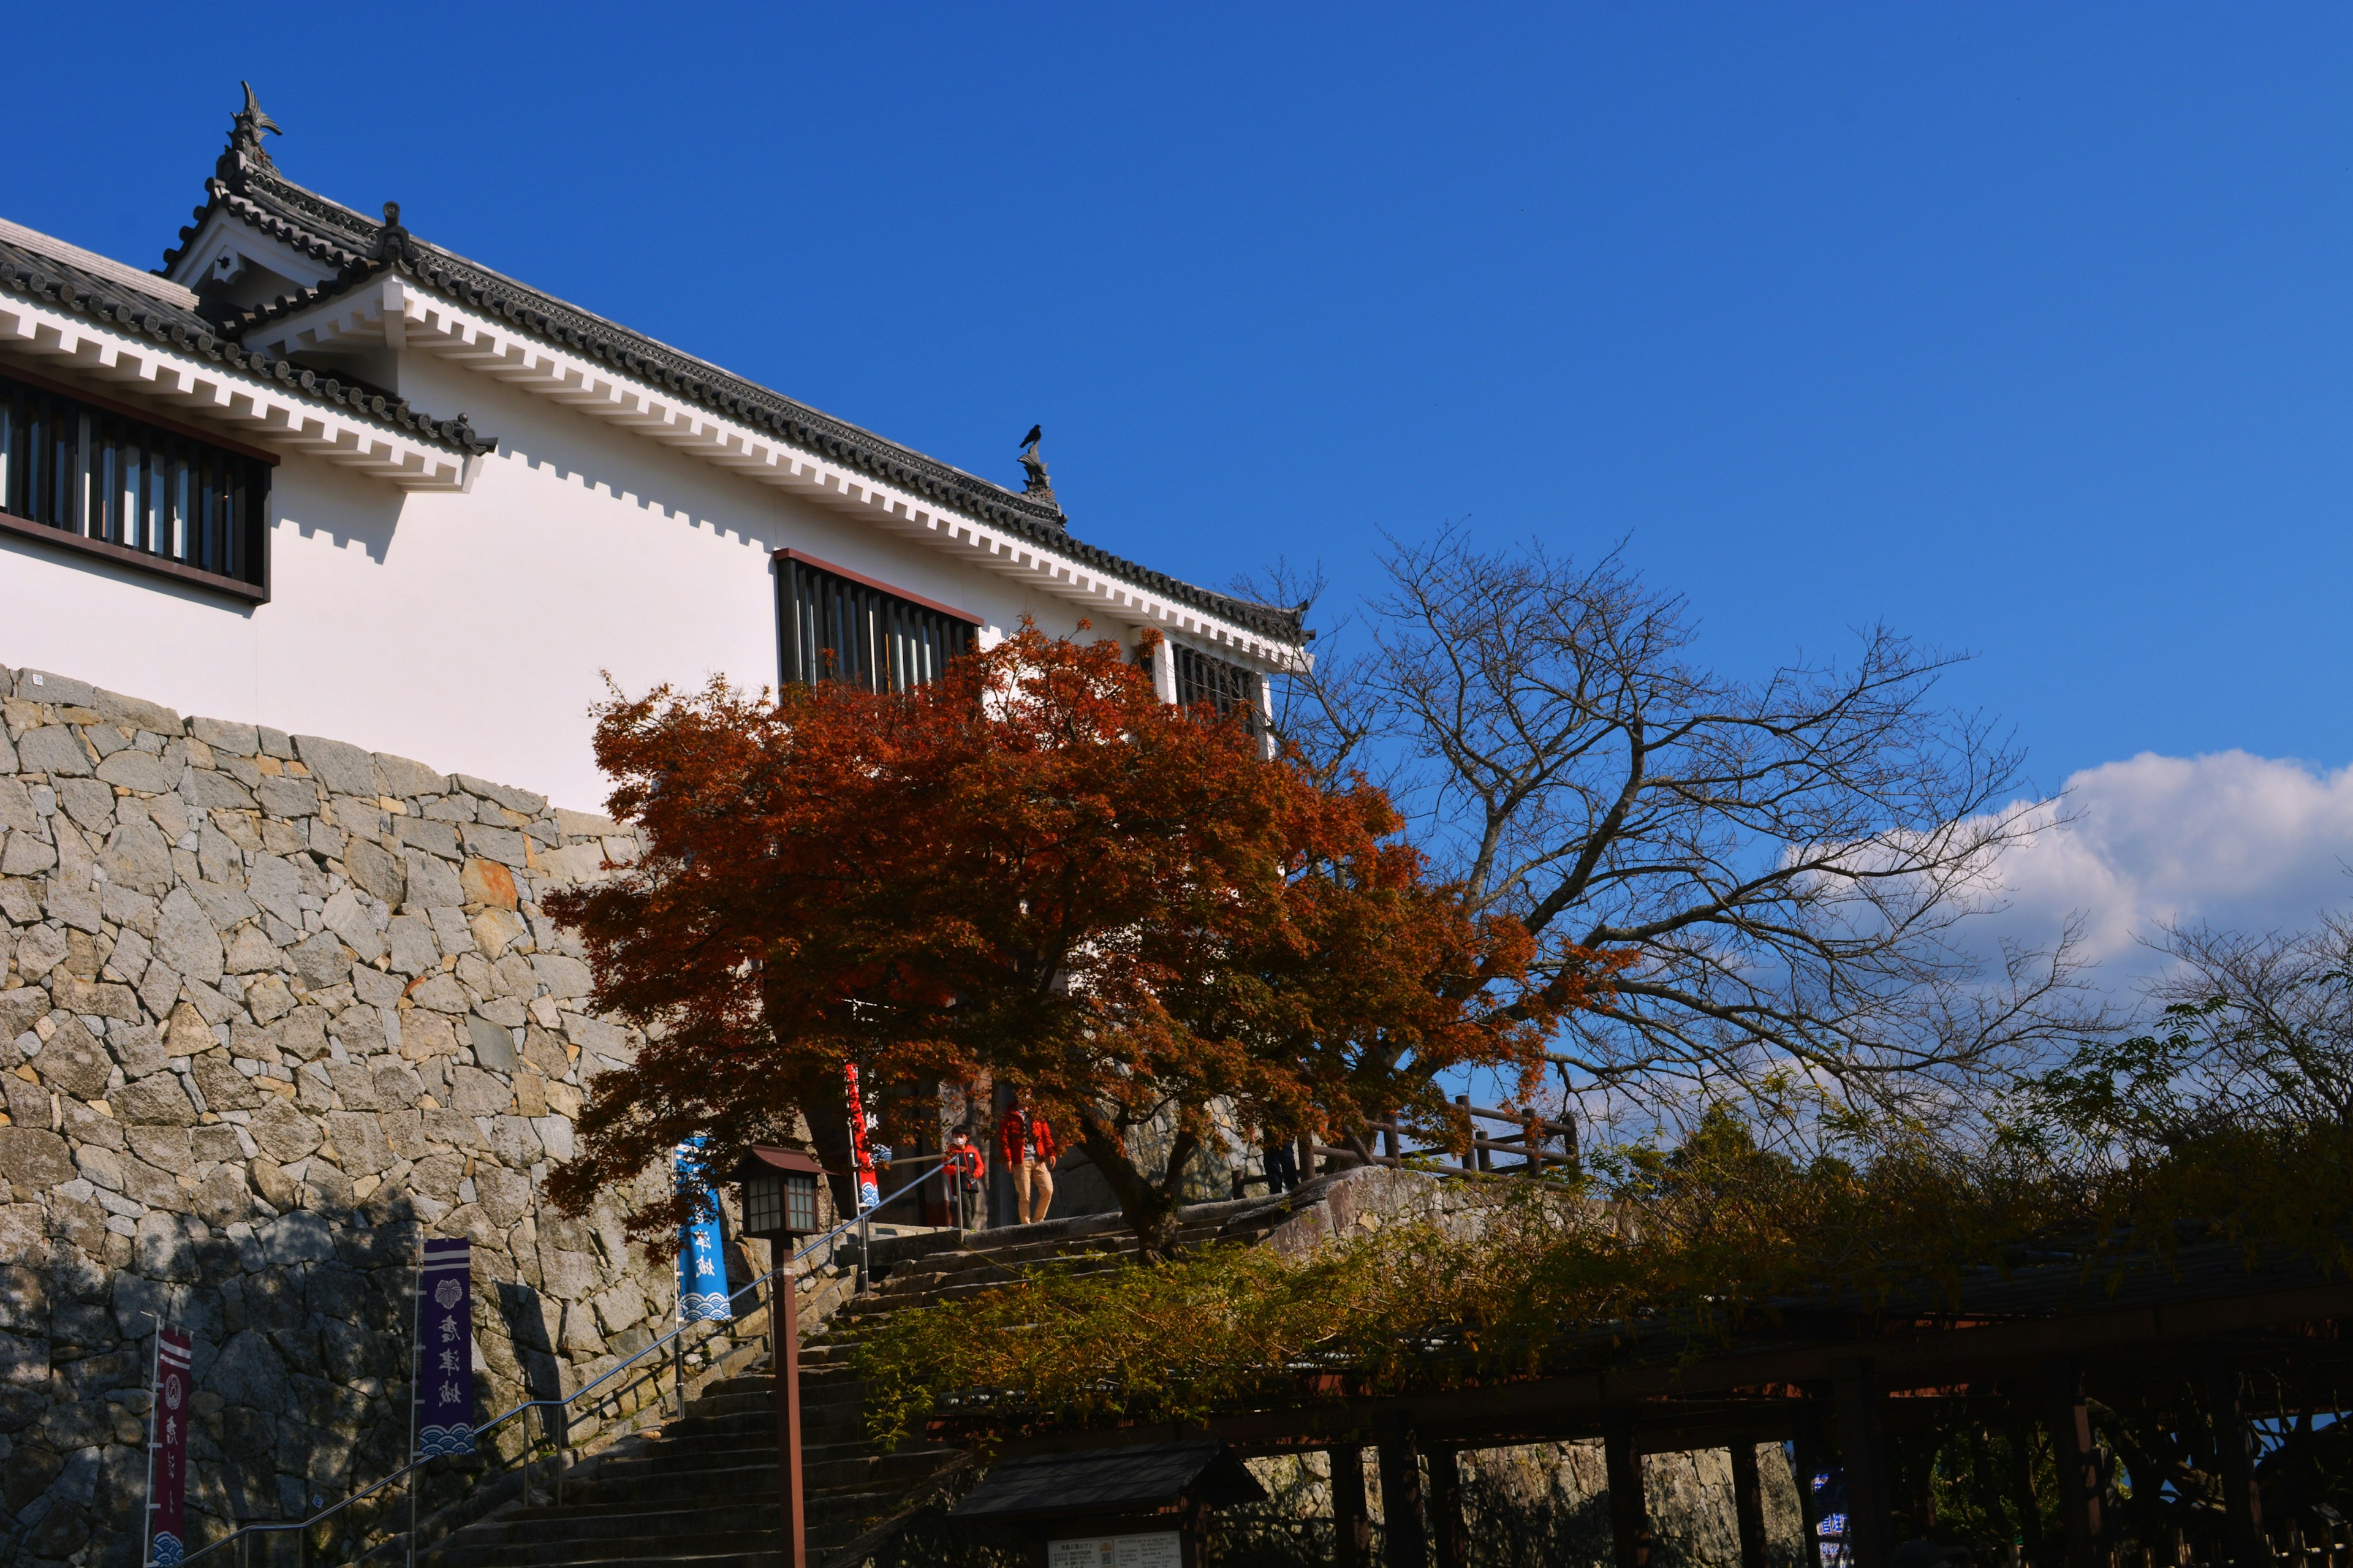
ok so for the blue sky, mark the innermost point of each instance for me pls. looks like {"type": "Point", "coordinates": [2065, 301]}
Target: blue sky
{"type": "Point", "coordinates": [2026, 330]}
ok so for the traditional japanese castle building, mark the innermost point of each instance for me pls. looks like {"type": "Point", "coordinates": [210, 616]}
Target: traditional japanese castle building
{"type": "Point", "coordinates": [323, 474]}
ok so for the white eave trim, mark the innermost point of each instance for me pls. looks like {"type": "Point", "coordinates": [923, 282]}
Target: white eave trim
{"type": "Point", "coordinates": [71, 346]}
{"type": "Point", "coordinates": [394, 311]}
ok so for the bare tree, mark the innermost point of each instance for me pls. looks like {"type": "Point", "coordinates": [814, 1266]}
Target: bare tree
{"type": "Point", "coordinates": [1780, 864]}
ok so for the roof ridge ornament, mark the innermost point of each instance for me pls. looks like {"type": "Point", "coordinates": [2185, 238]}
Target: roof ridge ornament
{"type": "Point", "coordinates": [1040, 485]}
{"type": "Point", "coordinates": [245, 131]}
{"type": "Point", "coordinates": [392, 240]}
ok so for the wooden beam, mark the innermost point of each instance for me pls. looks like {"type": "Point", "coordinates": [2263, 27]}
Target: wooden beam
{"type": "Point", "coordinates": [2243, 1501]}
{"type": "Point", "coordinates": [1401, 1500]}
{"type": "Point", "coordinates": [1749, 1504]}
{"type": "Point", "coordinates": [1352, 1526]}
{"type": "Point", "coordinates": [1449, 1533]}
{"type": "Point", "coordinates": [1863, 1455]}
{"type": "Point", "coordinates": [2075, 1460]}
{"type": "Point", "coordinates": [1578, 1401]}
{"type": "Point", "coordinates": [1629, 1518]}
{"type": "Point", "coordinates": [1813, 1460]}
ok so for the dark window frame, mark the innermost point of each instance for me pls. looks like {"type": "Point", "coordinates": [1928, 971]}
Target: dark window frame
{"type": "Point", "coordinates": [833, 624]}
{"type": "Point", "coordinates": [101, 479]}
{"type": "Point", "coordinates": [1223, 684]}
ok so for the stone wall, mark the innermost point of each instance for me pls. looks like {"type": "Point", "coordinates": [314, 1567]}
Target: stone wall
{"type": "Point", "coordinates": [271, 1006]}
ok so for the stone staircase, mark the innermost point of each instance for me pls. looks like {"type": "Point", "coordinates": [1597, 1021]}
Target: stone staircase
{"type": "Point", "coordinates": [701, 1491]}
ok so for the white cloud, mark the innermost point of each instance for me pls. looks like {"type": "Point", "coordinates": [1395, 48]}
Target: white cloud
{"type": "Point", "coordinates": [2231, 839]}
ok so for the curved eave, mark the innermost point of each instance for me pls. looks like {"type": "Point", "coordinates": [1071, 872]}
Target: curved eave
{"type": "Point", "coordinates": [397, 306]}
{"type": "Point", "coordinates": [76, 342]}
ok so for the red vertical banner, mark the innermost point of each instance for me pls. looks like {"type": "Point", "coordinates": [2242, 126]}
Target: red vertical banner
{"type": "Point", "coordinates": [167, 1451]}
{"type": "Point", "coordinates": [869, 1189]}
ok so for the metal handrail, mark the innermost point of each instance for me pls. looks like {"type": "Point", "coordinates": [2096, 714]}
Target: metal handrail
{"type": "Point", "coordinates": [861, 1222]}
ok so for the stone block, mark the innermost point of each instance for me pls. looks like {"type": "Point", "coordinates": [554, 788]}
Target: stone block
{"type": "Point", "coordinates": [376, 988]}
{"type": "Point", "coordinates": [583, 824]}
{"type": "Point", "coordinates": [434, 890]}
{"type": "Point", "coordinates": [375, 871]}
{"type": "Point", "coordinates": [486, 881]}
{"type": "Point", "coordinates": [136, 1048]}
{"type": "Point", "coordinates": [407, 778]}
{"type": "Point", "coordinates": [26, 854]}
{"type": "Point", "coordinates": [252, 952]}
{"type": "Point", "coordinates": [143, 1183]}
{"type": "Point", "coordinates": [54, 750]}
{"type": "Point", "coordinates": [273, 883]}
{"type": "Point", "coordinates": [351, 920]}
{"type": "Point", "coordinates": [165, 1148]}
{"type": "Point", "coordinates": [88, 801]}
{"type": "Point", "coordinates": [344, 768]}
{"type": "Point", "coordinates": [283, 1132]}
{"type": "Point", "coordinates": [186, 938]}
{"type": "Point", "coordinates": [223, 1087]}
{"type": "Point", "coordinates": [290, 797]}
{"type": "Point", "coordinates": [321, 961]}
{"type": "Point", "coordinates": [135, 713]}
{"type": "Point", "coordinates": [213, 791]}
{"type": "Point", "coordinates": [521, 800]}
{"type": "Point", "coordinates": [61, 691]}
{"type": "Point", "coordinates": [249, 1371]}
{"type": "Point", "coordinates": [493, 929]}
{"type": "Point", "coordinates": [359, 1142]}
{"type": "Point", "coordinates": [26, 1004]}
{"type": "Point", "coordinates": [413, 950]}
{"type": "Point", "coordinates": [566, 978]}
{"type": "Point", "coordinates": [474, 1092]}
{"type": "Point", "coordinates": [137, 856]}
{"type": "Point", "coordinates": [493, 1044]}
{"type": "Point", "coordinates": [33, 1157]}
{"type": "Point", "coordinates": [503, 844]}
{"type": "Point", "coordinates": [74, 1063]}
{"type": "Point", "coordinates": [136, 770]}
{"type": "Point", "coordinates": [230, 740]}
{"type": "Point", "coordinates": [156, 1100]}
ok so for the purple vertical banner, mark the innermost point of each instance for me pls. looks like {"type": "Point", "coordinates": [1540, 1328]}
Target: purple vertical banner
{"type": "Point", "coordinates": [445, 1357]}
{"type": "Point", "coordinates": [167, 1452]}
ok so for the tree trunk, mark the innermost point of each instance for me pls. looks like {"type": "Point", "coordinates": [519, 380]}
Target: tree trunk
{"type": "Point", "coordinates": [1150, 1207]}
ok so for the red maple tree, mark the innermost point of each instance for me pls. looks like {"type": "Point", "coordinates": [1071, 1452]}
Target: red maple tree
{"type": "Point", "coordinates": [1031, 869]}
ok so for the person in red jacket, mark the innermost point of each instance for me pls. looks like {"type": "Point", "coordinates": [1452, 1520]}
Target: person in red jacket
{"type": "Point", "coordinates": [965, 1176]}
{"type": "Point", "coordinates": [1028, 1146]}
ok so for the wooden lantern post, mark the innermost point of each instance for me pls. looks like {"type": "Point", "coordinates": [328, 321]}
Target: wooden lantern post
{"type": "Point", "coordinates": [780, 1204]}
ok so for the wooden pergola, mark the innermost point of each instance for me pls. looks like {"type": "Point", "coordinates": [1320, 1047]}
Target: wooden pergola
{"type": "Point", "coordinates": [1837, 1382]}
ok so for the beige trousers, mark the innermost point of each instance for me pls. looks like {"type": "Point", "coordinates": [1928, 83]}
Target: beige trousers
{"type": "Point", "coordinates": [1033, 1190]}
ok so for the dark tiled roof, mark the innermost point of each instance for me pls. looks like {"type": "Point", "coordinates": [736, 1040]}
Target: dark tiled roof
{"type": "Point", "coordinates": [360, 248]}
{"type": "Point", "coordinates": [28, 270]}
{"type": "Point", "coordinates": [1110, 1480]}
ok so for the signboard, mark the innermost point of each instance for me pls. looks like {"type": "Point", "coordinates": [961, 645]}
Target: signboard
{"type": "Point", "coordinates": [167, 1495]}
{"type": "Point", "coordinates": [701, 1266]}
{"type": "Point", "coordinates": [444, 1398]}
{"type": "Point", "coordinates": [1165, 1549]}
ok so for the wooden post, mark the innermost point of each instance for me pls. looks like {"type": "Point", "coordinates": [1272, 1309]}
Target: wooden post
{"type": "Point", "coordinates": [784, 1322]}
{"type": "Point", "coordinates": [1352, 1527]}
{"type": "Point", "coordinates": [1450, 1532]}
{"type": "Point", "coordinates": [1748, 1502]}
{"type": "Point", "coordinates": [2243, 1501]}
{"type": "Point", "coordinates": [1812, 1458]}
{"type": "Point", "coordinates": [1630, 1519]}
{"type": "Point", "coordinates": [1862, 1454]}
{"type": "Point", "coordinates": [2076, 1460]}
{"type": "Point", "coordinates": [1401, 1500]}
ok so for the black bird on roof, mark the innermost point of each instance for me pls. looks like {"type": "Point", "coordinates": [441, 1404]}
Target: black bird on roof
{"type": "Point", "coordinates": [1036, 434]}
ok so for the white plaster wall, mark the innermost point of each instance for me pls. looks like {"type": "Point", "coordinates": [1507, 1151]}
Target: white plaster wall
{"type": "Point", "coordinates": [475, 629]}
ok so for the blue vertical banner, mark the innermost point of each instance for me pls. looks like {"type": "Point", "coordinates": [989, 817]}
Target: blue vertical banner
{"type": "Point", "coordinates": [444, 1358]}
{"type": "Point", "coordinates": [701, 1266]}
